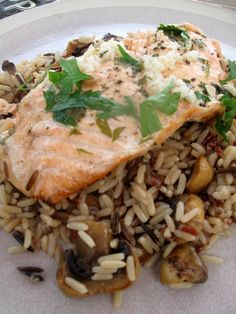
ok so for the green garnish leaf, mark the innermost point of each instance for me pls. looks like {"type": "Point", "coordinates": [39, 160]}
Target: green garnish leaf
{"type": "Point", "coordinates": [174, 31]}
{"type": "Point", "coordinates": [64, 118]}
{"type": "Point", "coordinates": [202, 96]}
{"type": "Point", "coordinates": [232, 72]}
{"type": "Point", "coordinates": [70, 76]}
{"type": "Point", "coordinates": [116, 133]}
{"type": "Point", "coordinates": [165, 101]}
{"type": "Point", "coordinates": [149, 120]}
{"type": "Point", "coordinates": [116, 110]}
{"type": "Point", "coordinates": [104, 127]}
{"type": "Point", "coordinates": [75, 131]}
{"type": "Point", "coordinates": [224, 123]}
{"type": "Point", "coordinates": [127, 59]}
{"type": "Point", "coordinates": [81, 150]}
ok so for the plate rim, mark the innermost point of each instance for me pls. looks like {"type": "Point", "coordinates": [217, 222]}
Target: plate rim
{"type": "Point", "coordinates": [65, 6]}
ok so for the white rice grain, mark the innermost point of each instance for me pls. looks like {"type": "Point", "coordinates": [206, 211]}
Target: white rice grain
{"type": "Point", "coordinates": [130, 268]}
{"type": "Point", "coordinates": [86, 238]}
{"type": "Point", "coordinates": [76, 285]}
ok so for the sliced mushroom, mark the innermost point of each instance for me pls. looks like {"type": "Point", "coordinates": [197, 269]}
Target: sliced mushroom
{"type": "Point", "coordinates": [192, 201]}
{"type": "Point", "coordinates": [201, 176]}
{"type": "Point", "coordinates": [101, 233]}
{"type": "Point", "coordinates": [119, 282]}
{"type": "Point", "coordinates": [183, 265]}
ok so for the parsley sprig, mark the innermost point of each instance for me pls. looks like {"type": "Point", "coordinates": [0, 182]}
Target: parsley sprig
{"type": "Point", "coordinates": [127, 59]}
{"type": "Point", "coordinates": [68, 103]}
{"type": "Point", "coordinates": [174, 31]}
{"type": "Point", "coordinates": [232, 72]}
{"type": "Point", "coordinates": [224, 122]}
{"type": "Point", "coordinates": [165, 101]}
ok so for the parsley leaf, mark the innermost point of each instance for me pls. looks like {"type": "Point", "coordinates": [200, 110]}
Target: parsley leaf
{"type": "Point", "coordinates": [173, 31]}
{"type": "Point", "coordinates": [127, 59]}
{"type": "Point", "coordinates": [223, 123]}
{"type": "Point", "coordinates": [81, 150]}
{"type": "Point", "coordinates": [232, 72]}
{"type": "Point", "coordinates": [149, 120]}
{"type": "Point", "coordinates": [70, 76]}
{"type": "Point", "coordinates": [104, 127]}
{"type": "Point", "coordinates": [202, 96]}
{"type": "Point", "coordinates": [165, 101]}
{"type": "Point", "coordinates": [116, 133]}
{"type": "Point", "coordinates": [116, 109]}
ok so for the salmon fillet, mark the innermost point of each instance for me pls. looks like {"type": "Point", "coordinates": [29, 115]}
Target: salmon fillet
{"type": "Point", "coordinates": [45, 160]}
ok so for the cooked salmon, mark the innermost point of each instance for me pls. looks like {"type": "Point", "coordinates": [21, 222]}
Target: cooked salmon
{"type": "Point", "coordinates": [45, 160]}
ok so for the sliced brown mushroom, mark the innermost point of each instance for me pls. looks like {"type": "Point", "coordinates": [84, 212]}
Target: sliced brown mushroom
{"type": "Point", "coordinates": [183, 265]}
{"type": "Point", "coordinates": [192, 201]}
{"type": "Point", "coordinates": [119, 282]}
{"type": "Point", "coordinates": [101, 233]}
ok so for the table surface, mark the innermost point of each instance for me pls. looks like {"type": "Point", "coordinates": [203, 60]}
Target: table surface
{"type": "Point", "coordinates": [228, 4]}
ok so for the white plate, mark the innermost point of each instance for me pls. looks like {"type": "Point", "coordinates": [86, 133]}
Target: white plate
{"type": "Point", "coordinates": [48, 29]}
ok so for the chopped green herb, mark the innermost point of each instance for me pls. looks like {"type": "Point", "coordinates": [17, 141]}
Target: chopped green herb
{"type": "Point", "coordinates": [116, 133]}
{"type": "Point", "coordinates": [149, 120]}
{"type": "Point", "coordinates": [104, 127]}
{"type": "Point", "coordinates": [164, 101]}
{"type": "Point", "coordinates": [81, 150]}
{"type": "Point", "coordinates": [75, 131]}
{"type": "Point", "coordinates": [202, 96]}
{"type": "Point", "coordinates": [69, 77]}
{"type": "Point", "coordinates": [127, 59]}
{"type": "Point", "coordinates": [223, 123]}
{"type": "Point", "coordinates": [232, 72]}
{"type": "Point", "coordinates": [199, 42]}
{"type": "Point", "coordinates": [174, 31]}
{"type": "Point", "coordinates": [207, 69]}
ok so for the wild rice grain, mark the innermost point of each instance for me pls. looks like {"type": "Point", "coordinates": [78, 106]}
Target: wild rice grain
{"type": "Point", "coordinates": [152, 260]}
{"type": "Point", "coordinates": [130, 268]}
{"type": "Point", "coordinates": [28, 239]}
{"type": "Point", "coordinates": [190, 215]}
{"type": "Point", "coordinates": [101, 277]}
{"type": "Point", "coordinates": [140, 213]}
{"type": "Point", "coordinates": [77, 226]}
{"type": "Point", "coordinates": [129, 217]}
{"type": "Point", "coordinates": [50, 221]}
{"type": "Point", "coordinates": [170, 223]}
{"type": "Point", "coordinates": [117, 299]}
{"type": "Point", "coordinates": [179, 210]}
{"type": "Point", "coordinates": [212, 259]}
{"type": "Point", "coordinates": [102, 270]}
{"type": "Point", "coordinates": [169, 249]}
{"type": "Point", "coordinates": [12, 224]}
{"type": "Point", "coordinates": [76, 285]}
{"type": "Point", "coordinates": [145, 244]}
{"type": "Point", "coordinates": [44, 243]}
{"type": "Point", "coordinates": [11, 209]}
{"type": "Point", "coordinates": [111, 257]}
{"type": "Point", "coordinates": [86, 238]}
{"type": "Point", "coordinates": [16, 249]}
{"type": "Point", "coordinates": [113, 264]}
{"type": "Point", "coordinates": [184, 235]}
